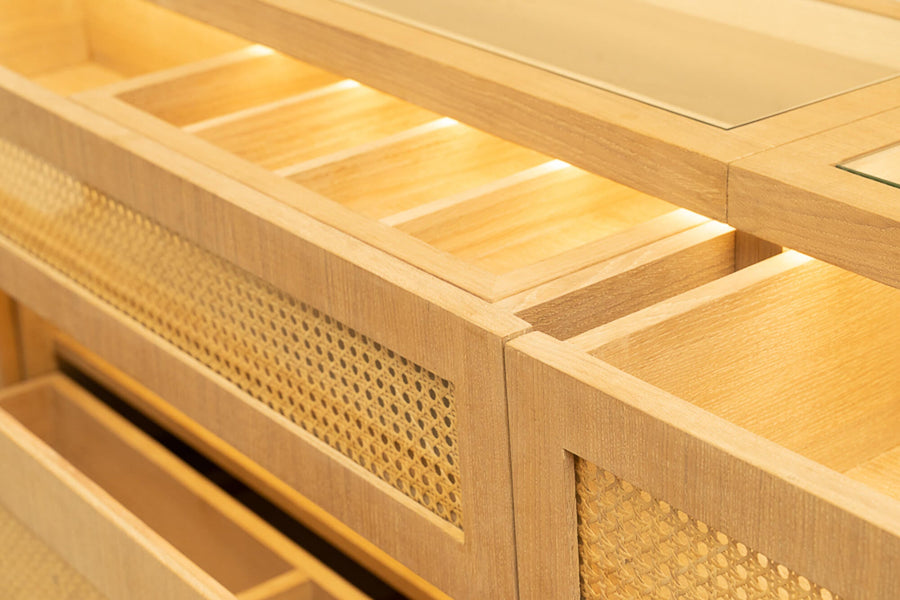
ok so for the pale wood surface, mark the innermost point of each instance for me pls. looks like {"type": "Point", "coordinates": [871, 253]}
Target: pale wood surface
{"type": "Point", "coordinates": [98, 531]}
{"type": "Point", "coordinates": [564, 402]}
{"type": "Point", "coordinates": [212, 529]}
{"type": "Point", "coordinates": [749, 249]}
{"type": "Point", "coordinates": [10, 351]}
{"type": "Point", "coordinates": [289, 500]}
{"type": "Point", "coordinates": [35, 337]}
{"type": "Point", "coordinates": [426, 168]}
{"type": "Point", "coordinates": [413, 181]}
{"type": "Point", "coordinates": [320, 125]}
{"type": "Point", "coordinates": [77, 78]}
{"type": "Point", "coordinates": [70, 45]}
{"type": "Point", "coordinates": [206, 89]}
{"type": "Point", "coordinates": [628, 140]}
{"type": "Point", "coordinates": [830, 213]}
{"type": "Point", "coordinates": [883, 165]}
{"type": "Point", "coordinates": [803, 357]}
{"type": "Point", "coordinates": [704, 60]}
{"type": "Point", "coordinates": [614, 288]}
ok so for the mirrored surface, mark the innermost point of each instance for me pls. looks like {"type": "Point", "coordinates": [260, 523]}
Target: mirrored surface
{"type": "Point", "coordinates": [724, 62]}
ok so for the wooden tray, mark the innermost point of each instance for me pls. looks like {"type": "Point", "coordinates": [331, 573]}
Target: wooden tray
{"type": "Point", "coordinates": [133, 519]}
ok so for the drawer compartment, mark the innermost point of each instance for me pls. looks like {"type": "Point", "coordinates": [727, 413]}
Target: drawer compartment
{"type": "Point", "coordinates": [487, 215]}
{"type": "Point", "coordinates": [150, 516]}
{"type": "Point", "coordinates": [71, 46]}
{"type": "Point", "coordinates": [738, 440]}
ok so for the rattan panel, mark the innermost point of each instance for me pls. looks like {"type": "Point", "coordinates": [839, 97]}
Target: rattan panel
{"type": "Point", "coordinates": [29, 570]}
{"type": "Point", "coordinates": [391, 416]}
{"type": "Point", "coordinates": [634, 546]}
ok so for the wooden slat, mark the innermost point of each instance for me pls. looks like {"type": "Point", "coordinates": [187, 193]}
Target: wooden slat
{"type": "Point", "coordinates": [287, 499]}
{"type": "Point", "coordinates": [97, 530]}
{"type": "Point", "coordinates": [794, 195]}
{"type": "Point", "coordinates": [716, 63]}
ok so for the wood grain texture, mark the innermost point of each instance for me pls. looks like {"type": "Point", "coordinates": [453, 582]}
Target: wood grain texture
{"type": "Point", "coordinates": [829, 213]}
{"type": "Point", "coordinates": [627, 139]}
{"type": "Point", "coordinates": [564, 403]}
{"type": "Point", "coordinates": [811, 345]}
{"type": "Point", "coordinates": [614, 288]}
{"type": "Point", "coordinates": [206, 89]}
{"type": "Point", "coordinates": [711, 61]}
{"type": "Point", "coordinates": [749, 249]}
{"type": "Point", "coordinates": [431, 175]}
{"type": "Point", "coordinates": [278, 492]}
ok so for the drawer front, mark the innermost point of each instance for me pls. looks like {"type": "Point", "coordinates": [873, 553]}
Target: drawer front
{"type": "Point", "coordinates": [371, 388]}
{"type": "Point", "coordinates": [728, 467]}
{"type": "Point", "coordinates": [131, 517]}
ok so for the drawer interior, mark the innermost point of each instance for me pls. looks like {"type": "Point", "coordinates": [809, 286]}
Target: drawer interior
{"type": "Point", "coordinates": [158, 489]}
{"type": "Point", "coordinates": [74, 45]}
{"type": "Point", "coordinates": [482, 212]}
{"type": "Point", "coordinates": [795, 350]}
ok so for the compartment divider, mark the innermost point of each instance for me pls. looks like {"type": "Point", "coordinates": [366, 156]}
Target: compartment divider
{"type": "Point", "coordinates": [407, 216]}
{"type": "Point", "coordinates": [275, 587]}
{"type": "Point", "coordinates": [206, 124]}
{"type": "Point", "coordinates": [385, 142]}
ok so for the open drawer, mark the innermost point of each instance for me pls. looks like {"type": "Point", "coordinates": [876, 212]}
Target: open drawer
{"type": "Point", "coordinates": [740, 440]}
{"type": "Point", "coordinates": [368, 385]}
{"type": "Point", "coordinates": [487, 215]}
{"type": "Point", "coordinates": [127, 515]}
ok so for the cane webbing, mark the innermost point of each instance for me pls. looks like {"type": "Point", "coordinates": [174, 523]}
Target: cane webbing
{"type": "Point", "coordinates": [391, 416]}
{"type": "Point", "coordinates": [30, 570]}
{"type": "Point", "coordinates": [632, 545]}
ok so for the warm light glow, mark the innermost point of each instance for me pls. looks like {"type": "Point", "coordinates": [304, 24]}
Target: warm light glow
{"type": "Point", "coordinates": [259, 50]}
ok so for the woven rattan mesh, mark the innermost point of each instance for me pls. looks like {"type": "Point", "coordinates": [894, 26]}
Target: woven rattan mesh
{"type": "Point", "coordinates": [29, 570]}
{"type": "Point", "coordinates": [389, 415]}
{"type": "Point", "coordinates": [634, 546]}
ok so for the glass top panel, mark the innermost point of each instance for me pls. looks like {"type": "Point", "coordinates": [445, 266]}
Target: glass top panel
{"type": "Point", "coordinates": [723, 62]}
{"type": "Point", "coordinates": [882, 165]}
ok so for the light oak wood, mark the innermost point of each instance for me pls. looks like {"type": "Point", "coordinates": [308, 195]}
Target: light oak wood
{"type": "Point", "coordinates": [827, 212]}
{"type": "Point", "coordinates": [70, 46]}
{"type": "Point", "coordinates": [749, 249]}
{"type": "Point", "coordinates": [426, 168]}
{"type": "Point", "coordinates": [430, 181]}
{"type": "Point", "coordinates": [351, 543]}
{"type": "Point", "coordinates": [206, 525]}
{"type": "Point", "coordinates": [690, 434]}
{"type": "Point", "coordinates": [627, 140]}
{"type": "Point", "coordinates": [35, 338]}
{"type": "Point", "coordinates": [10, 352]}
{"type": "Point", "coordinates": [714, 61]}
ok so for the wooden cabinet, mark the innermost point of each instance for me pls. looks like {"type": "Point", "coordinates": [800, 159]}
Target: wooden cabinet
{"type": "Point", "coordinates": [325, 284]}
